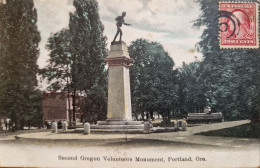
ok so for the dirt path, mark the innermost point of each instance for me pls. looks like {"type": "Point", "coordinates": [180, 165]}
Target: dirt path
{"type": "Point", "coordinates": [198, 129]}
{"type": "Point", "coordinates": [181, 136]}
{"type": "Point", "coordinates": [215, 126]}
{"type": "Point", "coordinates": [189, 137]}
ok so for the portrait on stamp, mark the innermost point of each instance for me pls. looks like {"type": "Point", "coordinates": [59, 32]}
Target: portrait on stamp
{"type": "Point", "coordinates": [238, 25]}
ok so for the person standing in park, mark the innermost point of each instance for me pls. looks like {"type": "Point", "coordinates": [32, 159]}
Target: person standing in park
{"type": "Point", "coordinates": [46, 124]}
{"type": "Point", "coordinates": [6, 125]}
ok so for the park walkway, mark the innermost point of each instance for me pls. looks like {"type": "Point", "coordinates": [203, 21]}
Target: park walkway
{"type": "Point", "coordinates": [188, 136]}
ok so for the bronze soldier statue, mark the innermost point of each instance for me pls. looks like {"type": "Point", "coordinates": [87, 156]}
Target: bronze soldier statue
{"type": "Point", "coordinates": [120, 22]}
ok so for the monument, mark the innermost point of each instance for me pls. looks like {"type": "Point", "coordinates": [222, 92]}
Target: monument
{"type": "Point", "coordinates": [119, 111]}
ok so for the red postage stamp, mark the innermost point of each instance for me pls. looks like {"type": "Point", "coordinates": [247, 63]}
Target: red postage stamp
{"type": "Point", "coordinates": [238, 25]}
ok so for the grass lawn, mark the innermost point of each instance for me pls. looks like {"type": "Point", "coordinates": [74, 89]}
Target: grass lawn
{"type": "Point", "coordinates": [251, 130]}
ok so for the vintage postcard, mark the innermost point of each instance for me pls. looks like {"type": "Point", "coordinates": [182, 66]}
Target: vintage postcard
{"type": "Point", "coordinates": [119, 83]}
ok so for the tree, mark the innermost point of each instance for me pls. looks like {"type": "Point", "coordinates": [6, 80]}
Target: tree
{"type": "Point", "coordinates": [58, 71]}
{"type": "Point", "coordinates": [19, 39]}
{"type": "Point", "coordinates": [230, 75]}
{"type": "Point", "coordinates": [89, 51]}
{"type": "Point", "coordinates": [152, 78]}
{"type": "Point", "coordinates": [77, 61]}
{"type": "Point", "coordinates": [191, 88]}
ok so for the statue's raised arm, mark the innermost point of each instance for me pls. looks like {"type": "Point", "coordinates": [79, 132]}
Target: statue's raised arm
{"type": "Point", "coordinates": [119, 22]}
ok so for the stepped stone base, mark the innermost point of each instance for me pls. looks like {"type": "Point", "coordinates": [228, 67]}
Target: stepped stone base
{"type": "Point", "coordinates": [111, 131]}
{"type": "Point", "coordinates": [119, 125]}
{"type": "Point", "coordinates": [120, 122]}
{"type": "Point", "coordinates": [124, 131]}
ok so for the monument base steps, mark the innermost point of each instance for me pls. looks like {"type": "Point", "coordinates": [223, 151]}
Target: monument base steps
{"type": "Point", "coordinates": [120, 122]}
{"type": "Point", "coordinates": [119, 125]}
{"type": "Point", "coordinates": [125, 131]}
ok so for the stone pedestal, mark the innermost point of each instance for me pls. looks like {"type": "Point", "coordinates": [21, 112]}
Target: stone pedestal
{"type": "Point", "coordinates": [119, 96]}
{"type": "Point", "coordinates": [119, 111]}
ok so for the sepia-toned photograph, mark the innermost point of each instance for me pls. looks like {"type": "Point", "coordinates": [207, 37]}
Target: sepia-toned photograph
{"type": "Point", "coordinates": [129, 83]}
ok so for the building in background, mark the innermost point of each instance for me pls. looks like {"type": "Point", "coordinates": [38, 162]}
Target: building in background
{"type": "Point", "coordinates": [56, 106]}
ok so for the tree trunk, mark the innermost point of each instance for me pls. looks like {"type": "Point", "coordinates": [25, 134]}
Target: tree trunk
{"type": "Point", "coordinates": [69, 103]}
{"type": "Point", "coordinates": [136, 116]}
{"type": "Point", "coordinates": [29, 124]}
{"type": "Point", "coordinates": [21, 125]}
{"type": "Point", "coordinates": [16, 123]}
{"type": "Point", "coordinates": [134, 111]}
{"type": "Point", "coordinates": [142, 114]}
{"type": "Point", "coordinates": [12, 122]}
{"type": "Point", "coordinates": [74, 105]}
{"type": "Point", "coordinates": [9, 125]}
{"type": "Point", "coordinates": [151, 115]}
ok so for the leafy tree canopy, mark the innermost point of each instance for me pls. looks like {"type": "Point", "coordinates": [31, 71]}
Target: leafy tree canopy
{"type": "Point", "coordinates": [19, 39]}
{"type": "Point", "coordinates": [152, 77]}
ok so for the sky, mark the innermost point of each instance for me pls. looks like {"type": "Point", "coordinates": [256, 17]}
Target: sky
{"type": "Point", "coordinates": [168, 22]}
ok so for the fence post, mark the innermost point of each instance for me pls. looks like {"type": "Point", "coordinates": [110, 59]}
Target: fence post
{"type": "Point", "coordinates": [64, 126]}
{"type": "Point", "coordinates": [54, 127]}
{"type": "Point", "coordinates": [184, 126]}
{"type": "Point", "coordinates": [86, 129]}
{"type": "Point", "coordinates": [147, 127]}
